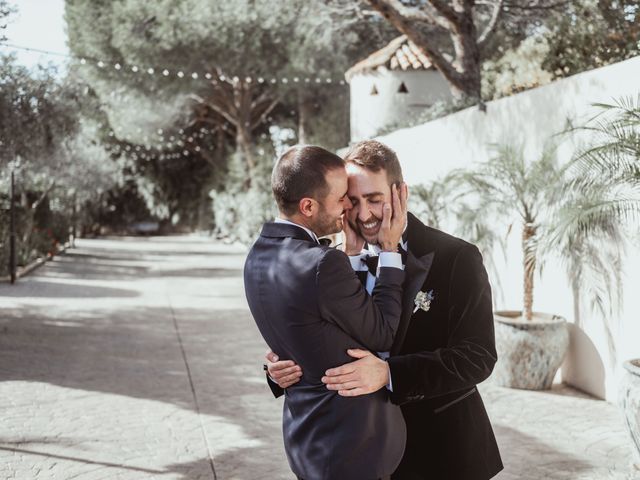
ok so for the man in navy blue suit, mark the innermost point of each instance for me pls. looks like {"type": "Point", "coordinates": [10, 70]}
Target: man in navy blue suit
{"type": "Point", "coordinates": [311, 307]}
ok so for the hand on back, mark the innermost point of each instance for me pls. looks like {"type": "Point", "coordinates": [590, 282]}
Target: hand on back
{"type": "Point", "coordinates": [284, 372]}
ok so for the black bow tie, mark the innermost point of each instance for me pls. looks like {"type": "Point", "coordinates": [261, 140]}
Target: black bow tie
{"type": "Point", "coordinates": [324, 241]}
{"type": "Point", "coordinates": [372, 260]}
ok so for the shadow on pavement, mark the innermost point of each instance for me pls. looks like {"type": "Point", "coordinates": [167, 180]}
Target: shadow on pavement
{"type": "Point", "coordinates": [50, 289]}
{"type": "Point", "coordinates": [526, 457]}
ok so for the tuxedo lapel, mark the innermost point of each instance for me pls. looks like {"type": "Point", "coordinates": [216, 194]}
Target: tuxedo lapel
{"type": "Point", "coordinates": [419, 260]}
{"type": "Point", "coordinates": [416, 271]}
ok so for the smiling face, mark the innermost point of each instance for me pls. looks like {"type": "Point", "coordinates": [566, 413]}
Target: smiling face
{"type": "Point", "coordinates": [336, 202]}
{"type": "Point", "coordinates": [368, 192]}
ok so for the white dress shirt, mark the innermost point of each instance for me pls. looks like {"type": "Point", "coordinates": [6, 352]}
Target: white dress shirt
{"type": "Point", "coordinates": [289, 222]}
{"type": "Point", "coordinates": [358, 264]}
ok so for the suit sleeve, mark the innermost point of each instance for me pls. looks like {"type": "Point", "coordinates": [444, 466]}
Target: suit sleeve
{"type": "Point", "coordinates": [470, 354]}
{"type": "Point", "coordinates": [371, 320]}
{"type": "Point", "coordinates": [275, 388]}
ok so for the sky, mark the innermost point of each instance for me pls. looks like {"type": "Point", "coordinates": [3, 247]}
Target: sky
{"type": "Point", "coordinates": [37, 24]}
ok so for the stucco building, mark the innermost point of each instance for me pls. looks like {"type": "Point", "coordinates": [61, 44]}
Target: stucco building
{"type": "Point", "coordinates": [394, 83]}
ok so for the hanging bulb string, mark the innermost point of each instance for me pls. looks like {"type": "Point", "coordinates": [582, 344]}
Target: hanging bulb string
{"type": "Point", "coordinates": [121, 67]}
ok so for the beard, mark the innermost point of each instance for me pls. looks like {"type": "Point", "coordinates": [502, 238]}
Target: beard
{"type": "Point", "coordinates": [327, 224]}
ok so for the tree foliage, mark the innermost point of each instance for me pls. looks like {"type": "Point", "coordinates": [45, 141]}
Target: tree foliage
{"type": "Point", "coordinates": [458, 35]}
{"type": "Point", "coordinates": [52, 150]}
{"type": "Point", "coordinates": [592, 34]}
{"type": "Point", "coordinates": [253, 52]}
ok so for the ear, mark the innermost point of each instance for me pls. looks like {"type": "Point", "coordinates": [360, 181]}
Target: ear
{"type": "Point", "coordinates": [307, 207]}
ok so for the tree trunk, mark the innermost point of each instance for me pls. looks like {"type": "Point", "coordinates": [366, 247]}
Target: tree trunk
{"type": "Point", "coordinates": [467, 57]}
{"type": "Point", "coordinates": [529, 263]}
{"type": "Point", "coordinates": [575, 291]}
{"type": "Point", "coordinates": [244, 148]}
{"type": "Point", "coordinates": [463, 74]}
{"type": "Point", "coordinates": [242, 104]}
{"type": "Point", "coordinates": [304, 114]}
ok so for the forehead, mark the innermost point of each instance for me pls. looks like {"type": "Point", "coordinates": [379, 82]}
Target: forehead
{"type": "Point", "coordinates": [363, 181]}
{"type": "Point", "coordinates": [337, 180]}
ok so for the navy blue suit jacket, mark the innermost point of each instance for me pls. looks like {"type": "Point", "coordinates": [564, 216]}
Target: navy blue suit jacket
{"type": "Point", "coordinates": [310, 307]}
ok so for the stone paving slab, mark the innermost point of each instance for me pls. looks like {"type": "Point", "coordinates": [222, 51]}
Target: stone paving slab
{"type": "Point", "coordinates": [137, 358]}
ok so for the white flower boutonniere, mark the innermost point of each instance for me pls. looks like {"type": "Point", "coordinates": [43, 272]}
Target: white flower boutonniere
{"type": "Point", "coordinates": [423, 301]}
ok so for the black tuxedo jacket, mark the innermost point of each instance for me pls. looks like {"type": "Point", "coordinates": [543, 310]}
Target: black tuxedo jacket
{"type": "Point", "coordinates": [440, 355]}
{"type": "Point", "coordinates": [438, 358]}
{"type": "Point", "coordinates": [310, 307]}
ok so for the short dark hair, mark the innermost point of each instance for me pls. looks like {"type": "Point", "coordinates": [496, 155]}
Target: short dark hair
{"type": "Point", "coordinates": [375, 156]}
{"type": "Point", "coordinates": [299, 173]}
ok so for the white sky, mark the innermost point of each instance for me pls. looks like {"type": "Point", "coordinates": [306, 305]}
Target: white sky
{"type": "Point", "coordinates": [37, 24]}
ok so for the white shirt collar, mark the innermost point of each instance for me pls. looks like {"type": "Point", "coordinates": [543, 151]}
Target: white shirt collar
{"type": "Point", "coordinates": [289, 222]}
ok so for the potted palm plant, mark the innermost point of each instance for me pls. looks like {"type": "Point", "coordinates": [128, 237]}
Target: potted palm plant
{"type": "Point", "coordinates": [531, 345]}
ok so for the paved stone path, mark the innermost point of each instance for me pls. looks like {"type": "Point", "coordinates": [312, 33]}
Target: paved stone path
{"type": "Point", "coordinates": [137, 359]}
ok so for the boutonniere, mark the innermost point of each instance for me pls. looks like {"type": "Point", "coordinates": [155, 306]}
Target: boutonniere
{"type": "Point", "coordinates": [423, 301]}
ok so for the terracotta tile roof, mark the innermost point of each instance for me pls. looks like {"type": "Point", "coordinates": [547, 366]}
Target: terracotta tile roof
{"type": "Point", "coordinates": [399, 54]}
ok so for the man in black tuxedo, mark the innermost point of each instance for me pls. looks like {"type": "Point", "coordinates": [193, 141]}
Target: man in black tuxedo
{"type": "Point", "coordinates": [311, 308]}
{"type": "Point", "coordinates": [445, 344]}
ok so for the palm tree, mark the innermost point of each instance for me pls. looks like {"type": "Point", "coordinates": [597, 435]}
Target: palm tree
{"type": "Point", "coordinates": [610, 165]}
{"type": "Point", "coordinates": [602, 195]}
{"type": "Point", "coordinates": [591, 252]}
{"type": "Point", "coordinates": [441, 204]}
{"type": "Point", "coordinates": [509, 187]}
{"type": "Point", "coordinates": [433, 203]}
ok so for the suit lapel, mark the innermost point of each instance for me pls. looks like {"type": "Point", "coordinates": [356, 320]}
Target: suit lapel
{"type": "Point", "coordinates": [416, 271]}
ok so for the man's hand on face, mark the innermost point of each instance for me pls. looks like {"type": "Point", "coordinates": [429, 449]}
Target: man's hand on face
{"type": "Point", "coordinates": [285, 373]}
{"type": "Point", "coordinates": [366, 375]}
{"type": "Point", "coordinates": [353, 242]}
{"type": "Point", "coordinates": [393, 219]}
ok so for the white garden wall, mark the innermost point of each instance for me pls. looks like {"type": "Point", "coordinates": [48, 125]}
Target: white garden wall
{"type": "Point", "coordinates": [430, 150]}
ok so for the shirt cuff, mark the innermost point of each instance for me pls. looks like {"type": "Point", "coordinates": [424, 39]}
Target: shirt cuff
{"type": "Point", "coordinates": [357, 264]}
{"type": "Point", "coordinates": [390, 259]}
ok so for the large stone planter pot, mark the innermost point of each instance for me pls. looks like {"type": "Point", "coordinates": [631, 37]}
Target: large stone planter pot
{"type": "Point", "coordinates": [630, 401]}
{"type": "Point", "coordinates": [529, 353]}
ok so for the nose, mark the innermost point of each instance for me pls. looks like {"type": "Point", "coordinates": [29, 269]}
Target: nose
{"type": "Point", "coordinates": [347, 204]}
{"type": "Point", "coordinates": [363, 213]}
